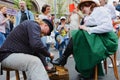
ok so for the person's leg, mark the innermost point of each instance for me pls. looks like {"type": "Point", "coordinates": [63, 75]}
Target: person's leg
{"type": "Point", "coordinates": [44, 38]}
{"type": "Point", "coordinates": [2, 38]}
{"type": "Point", "coordinates": [60, 53]}
{"type": "Point", "coordinates": [118, 52]}
{"type": "Point", "coordinates": [66, 41]}
{"type": "Point", "coordinates": [43, 59]}
{"type": "Point", "coordinates": [48, 46]}
{"type": "Point", "coordinates": [61, 47]}
{"type": "Point", "coordinates": [68, 51]}
{"type": "Point", "coordinates": [24, 62]}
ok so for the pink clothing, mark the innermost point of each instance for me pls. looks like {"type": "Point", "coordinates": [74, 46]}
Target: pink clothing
{"type": "Point", "coordinates": [2, 25]}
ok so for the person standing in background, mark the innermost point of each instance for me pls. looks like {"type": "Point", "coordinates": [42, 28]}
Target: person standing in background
{"type": "Point", "coordinates": [110, 8]}
{"type": "Point", "coordinates": [3, 23]}
{"type": "Point", "coordinates": [23, 14]}
{"type": "Point", "coordinates": [112, 11]}
{"type": "Point", "coordinates": [74, 19]}
{"type": "Point", "coordinates": [45, 15]}
{"type": "Point", "coordinates": [45, 12]}
{"type": "Point", "coordinates": [62, 38]}
{"type": "Point", "coordinates": [9, 26]}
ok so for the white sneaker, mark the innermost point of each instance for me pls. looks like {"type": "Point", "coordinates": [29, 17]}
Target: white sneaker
{"type": "Point", "coordinates": [111, 66]}
{"type": "Point", "coordinates": [102, 62]}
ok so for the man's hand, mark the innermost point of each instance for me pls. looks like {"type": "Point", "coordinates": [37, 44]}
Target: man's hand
{"type": "Point", "coordinates": [51, 56]}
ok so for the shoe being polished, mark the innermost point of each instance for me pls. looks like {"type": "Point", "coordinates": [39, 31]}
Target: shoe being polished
{"type": "Point", "coordinates": [51, 70]}
{"type": "Point", "coordinates": [60, 61]}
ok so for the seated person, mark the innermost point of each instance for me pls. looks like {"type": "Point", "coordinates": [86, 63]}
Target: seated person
{"type": "Point", "coordinates": [62, 39]}
{"type": "Point", "coordinates": [93, 42]}
{"type": "Point", "coordinates": [23, 47]}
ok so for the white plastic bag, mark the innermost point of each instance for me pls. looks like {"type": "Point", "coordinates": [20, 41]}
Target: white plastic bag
{"type": "Point", "coordinates": [51, 39]}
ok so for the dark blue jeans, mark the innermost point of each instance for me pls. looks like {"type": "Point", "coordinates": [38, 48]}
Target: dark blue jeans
{"type": "Point", "coordinates": [2, 38]}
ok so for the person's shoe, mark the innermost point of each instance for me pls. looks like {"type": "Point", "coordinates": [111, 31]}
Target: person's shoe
{"type": "Point", "coordinates": [51, 70]}
{"type": "Point", "coordinates": [111, 66]}
{"type": "Point", "coordinates": [60, 61]}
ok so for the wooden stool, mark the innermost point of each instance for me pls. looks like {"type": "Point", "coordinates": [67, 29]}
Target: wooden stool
{"type": "Point", "coordinates": [60, 74]}
{"type": "Point", "coordinates": [113, 60]}
{"type": "Point", "coordinates": [16, 73]}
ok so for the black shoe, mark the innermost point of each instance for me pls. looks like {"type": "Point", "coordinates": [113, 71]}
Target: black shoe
{"type": "Point", "coordinates": [60, 61]}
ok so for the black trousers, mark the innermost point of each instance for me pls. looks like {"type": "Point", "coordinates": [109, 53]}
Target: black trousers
{"type": "Point", "coordinates": [69, 49]}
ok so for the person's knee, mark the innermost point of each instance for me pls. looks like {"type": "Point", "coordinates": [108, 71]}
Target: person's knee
{"type": "Point", "coordinates": [35, 60]}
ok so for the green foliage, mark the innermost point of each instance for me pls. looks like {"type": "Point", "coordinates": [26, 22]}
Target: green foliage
{"type": "Point", "coordinates": [60, 7]}
{"type": "Point", "coordinates": [16, 3]}
{"type": "Point", "coordinates": [28, 3]}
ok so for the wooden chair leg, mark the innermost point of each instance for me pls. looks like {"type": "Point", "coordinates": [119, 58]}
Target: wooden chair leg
{"type": "Point", "coordinates": [113, 60]}
{"type": "Point", "coordinates": [105, 66]}
{"type": "Point", "coordinates": [96, 72]}
{"type": "Point", "coordinates": [17, 75]}
{"type": "Point", "coordinates": [7, 75]}
{"type": "Point", "coordinates": [24, 75]}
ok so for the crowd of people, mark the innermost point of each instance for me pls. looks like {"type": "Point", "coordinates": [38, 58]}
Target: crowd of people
{"type": "Point", "coordinates": [90, 38]}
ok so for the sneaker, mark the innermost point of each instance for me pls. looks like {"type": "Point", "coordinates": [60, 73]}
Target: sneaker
{"type": "Point", "coordinates": [111, 66]}
{"type": "Point", "coordinates": [102, 62]}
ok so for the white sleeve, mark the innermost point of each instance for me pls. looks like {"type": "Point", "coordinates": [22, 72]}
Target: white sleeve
{"type": "Point", "coordinates": [111, 11]}
{"type": "Point", "coordinates": [59, 27]}
{"type": "Point", "coordinates": [102, 20]}
{"type": "Point", "coordinates": [40, 17]}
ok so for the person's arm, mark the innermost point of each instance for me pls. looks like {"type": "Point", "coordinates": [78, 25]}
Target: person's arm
{"type": "Point", "coordinates": [2, 21]}
{"type": "Point", "coordinates": [17, 19]}
{"type": "Point", "coordinates": [103, 21]}
{"type": "Point", "coordinates": [66, 28]}
{"type": "Point", "coordinates": [69, 17]}
{"type": "Point", "coordinates": [31, 15]}
{"type": "Point", "coordinates": [116, 22]}
{"type": "Point", "coordinates": [35, 39]}
{"type": "Point", "coordinates": [59, 28]}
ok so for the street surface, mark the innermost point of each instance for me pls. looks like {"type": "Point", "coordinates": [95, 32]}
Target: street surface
{"type": "Point", "coordinates": [72, 72]}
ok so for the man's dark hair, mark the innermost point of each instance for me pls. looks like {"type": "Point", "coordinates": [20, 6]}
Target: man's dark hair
{"type": "Point", "coordinates": [44, 8]}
